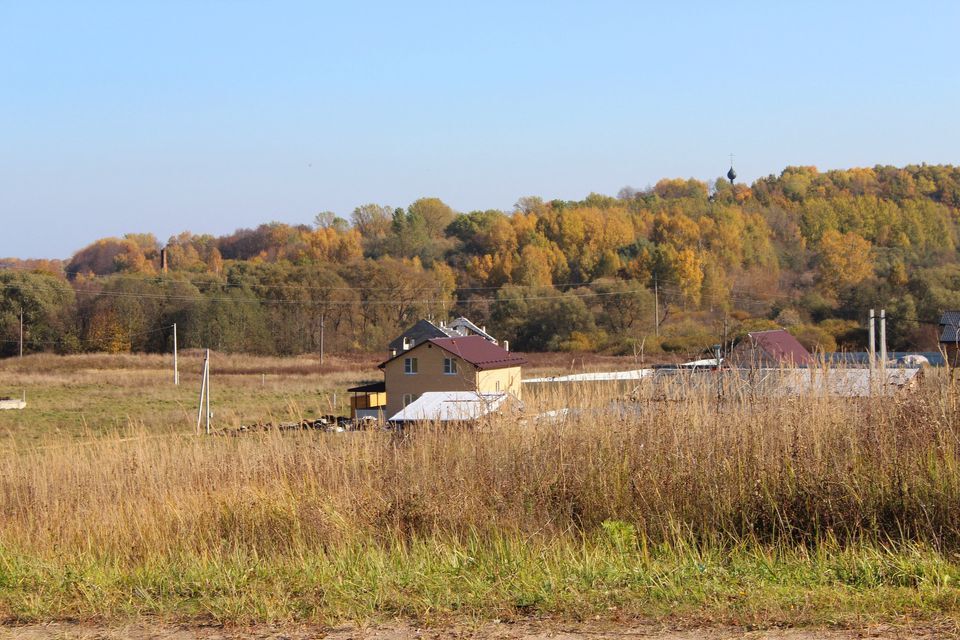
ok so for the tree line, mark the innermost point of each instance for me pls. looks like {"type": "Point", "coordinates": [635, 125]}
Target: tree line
{"type": "Point", "coordinates": [672, 267]}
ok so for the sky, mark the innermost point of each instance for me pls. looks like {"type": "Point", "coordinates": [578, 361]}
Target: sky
{"type": "Point", "coordinates": [208, 116]}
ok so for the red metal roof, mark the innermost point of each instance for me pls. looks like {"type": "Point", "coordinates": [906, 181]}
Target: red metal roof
{"type": "Point", "coordinates": [780, 345]}
{"type": "Point", "coordinates": [480, 352]}
{"type": "Point", "coordinates": [475, 350]}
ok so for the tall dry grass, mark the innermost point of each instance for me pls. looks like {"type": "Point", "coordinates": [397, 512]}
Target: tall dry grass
{"type": "Point", "coordinates": [801, 470]}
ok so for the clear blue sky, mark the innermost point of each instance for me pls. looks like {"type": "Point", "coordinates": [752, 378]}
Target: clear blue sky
{"type": "Point", "coordinates": [159, 117]}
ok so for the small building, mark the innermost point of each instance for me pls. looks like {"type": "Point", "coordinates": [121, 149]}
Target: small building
{"type": "Point", "coordinates": [774, 348]}
{"type": "Point", "coordinates": [470, 363]}
{"type": "Point", "coordinates": [950, 335]}
{"type": "Point", "coordinates": [453, 406]}
{"type": "Point", "coordinates": [424, 330]}
{"type": "Point", "coordinates": [368, 401]}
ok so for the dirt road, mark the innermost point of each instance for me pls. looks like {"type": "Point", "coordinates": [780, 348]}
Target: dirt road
{"type": "Point", "coordinates": [492, 631]}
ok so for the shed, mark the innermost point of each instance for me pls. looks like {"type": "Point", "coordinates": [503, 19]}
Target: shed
{"type": "Point", "coordinates": [451, 406]}
{"type": "Point", "coordinates": [368, 400]}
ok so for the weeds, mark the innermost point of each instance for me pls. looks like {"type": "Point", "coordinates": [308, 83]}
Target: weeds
{"type": "Point", "coordinates": [809, 510]}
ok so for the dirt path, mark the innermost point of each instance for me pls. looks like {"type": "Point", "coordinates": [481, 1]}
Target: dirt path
{"type": "Point", "coordinates": [524, 631]}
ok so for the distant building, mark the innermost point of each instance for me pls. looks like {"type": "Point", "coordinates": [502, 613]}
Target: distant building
{"type": "Point", "coordinates": [775, 348]}
{"type": "Point", "coordinates": [950, 335]}
{"type": "Point", "coordinates": [424, 330]}
{"type": "Point", "coordinates": [469, 363]}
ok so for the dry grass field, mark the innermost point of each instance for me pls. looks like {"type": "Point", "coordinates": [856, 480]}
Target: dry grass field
{"type": "Point", "coordinates": [82, 396]}
{"type": "Point", "coordinates": [809, 511]}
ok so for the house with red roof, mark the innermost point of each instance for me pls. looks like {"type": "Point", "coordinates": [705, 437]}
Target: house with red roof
{"type": "Point", "coordinates": [468, 363]}
{"type": "Point", "coordinates": [764, 349]}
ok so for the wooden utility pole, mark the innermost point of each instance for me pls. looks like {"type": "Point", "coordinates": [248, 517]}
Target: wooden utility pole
{"type": "Point", "coordinates": [21, 332]}
{"type": "Point", "coordinates": [883, 339]}
{"type": "Point", "coordinates": [204, 394]}
{"type": "Point", "coordinates": [207, 368]}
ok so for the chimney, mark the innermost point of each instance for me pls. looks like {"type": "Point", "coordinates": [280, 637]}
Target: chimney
{"type": "Point", "coordinates": [163, 259]}
{"type": "Point", "coordinates": [393, 353]}
{"type": "Point", "coordinates": [506, 345]}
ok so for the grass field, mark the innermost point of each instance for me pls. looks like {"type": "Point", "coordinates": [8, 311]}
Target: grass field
{"type": "Point", "coordinates": [808, 511]}
{"type": "Point", "coordinates": [82, 396]}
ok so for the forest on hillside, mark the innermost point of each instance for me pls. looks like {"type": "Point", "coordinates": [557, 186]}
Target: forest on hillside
{"type": "Point", "coordinates": [806, 250]}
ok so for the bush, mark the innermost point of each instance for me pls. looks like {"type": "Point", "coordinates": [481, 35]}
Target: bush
{"type": "Point", "coordinates": [814, 338]}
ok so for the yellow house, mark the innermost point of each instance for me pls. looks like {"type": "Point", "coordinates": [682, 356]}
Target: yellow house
{"type": "Point", "coordinates": [470, 363]}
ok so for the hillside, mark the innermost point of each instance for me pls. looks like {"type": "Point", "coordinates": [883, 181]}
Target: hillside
{"type": "Point", "coordinates": [808, 250]}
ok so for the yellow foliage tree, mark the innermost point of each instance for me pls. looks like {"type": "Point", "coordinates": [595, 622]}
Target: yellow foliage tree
{"type": "Point", "coordinates": [845, 260]}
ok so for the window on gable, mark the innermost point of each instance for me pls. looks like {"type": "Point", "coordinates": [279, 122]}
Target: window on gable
{"type": "Point", "coordinates": [409, 365]}
{"type": "Point", "coordinates": [449, 366]}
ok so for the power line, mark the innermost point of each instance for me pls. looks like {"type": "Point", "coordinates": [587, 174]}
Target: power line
{"type": "Point", "coordinates": [351, 303]}
{"type": "Point", "coordinates": [124, 335]}
{"type": "Point", "coordinates": [162, 279]}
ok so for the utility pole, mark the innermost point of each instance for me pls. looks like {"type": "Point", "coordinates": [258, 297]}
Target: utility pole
{"type": "Point", "coordinates": [883, 339]}
{"type": "Point", "coordinates": [176, 369]}
{"type": "Point", "coordinates": [723, 345]}
{"type": "Point", "coordinates": [872, 352]}
{"type": "Point", "coordinates": [21, 332]}
{"type": "Point", "coordinates": [208, 390]}
{"type": "Point", "coordinates": [656, 307]}
{"type": "Point", "coordinates": [204, 394]}
{"type": "Point", "coordinates": [323, 325]}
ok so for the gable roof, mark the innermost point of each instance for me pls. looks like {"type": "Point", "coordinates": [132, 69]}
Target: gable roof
{"type": "Point", "coordinates": [462, 326]}
{"type": "Point", "coordinates": [780, 345]}
{"type": "Point", "coordinates": [480, 352]}
{"type": "Point", "coordinates": [420, 331]}
{"type": "Point", "coordinates": [475, 350]}
{"type": "Point", "coordinates": [423, 330]}
{"type": "Point", "coordinates": [949, 326]}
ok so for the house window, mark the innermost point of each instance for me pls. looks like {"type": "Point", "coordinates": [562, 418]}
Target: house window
{"type": "Point", "coordinates": [407, 399]}
{"type": "Point", "coordinates": [409, 365]}
{"type": "Point", "coordinates": [449, 366]}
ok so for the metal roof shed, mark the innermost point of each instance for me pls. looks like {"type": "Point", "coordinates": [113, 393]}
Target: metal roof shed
{"type": "Point", "coordinates": [451, 406]}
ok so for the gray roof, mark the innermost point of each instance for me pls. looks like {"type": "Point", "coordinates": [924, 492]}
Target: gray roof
{"type": "Point", "coordinates": [424, 330]}
{"type": "Point", "coordinates": [462, 326]}
{"type": "Point", "coordinates": [950, 326]}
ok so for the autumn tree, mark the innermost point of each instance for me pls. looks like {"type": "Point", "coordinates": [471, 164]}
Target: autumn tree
{"type": "Point", "coordinates": [844, 260]}
{"type": "Point", "coordinates": [47, 305]}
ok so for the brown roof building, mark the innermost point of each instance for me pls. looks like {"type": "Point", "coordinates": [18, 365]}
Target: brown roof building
{"type": "Point", "coordinates": [470, 363]}
{"type": "Point", "coordinates": [775, 348]}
